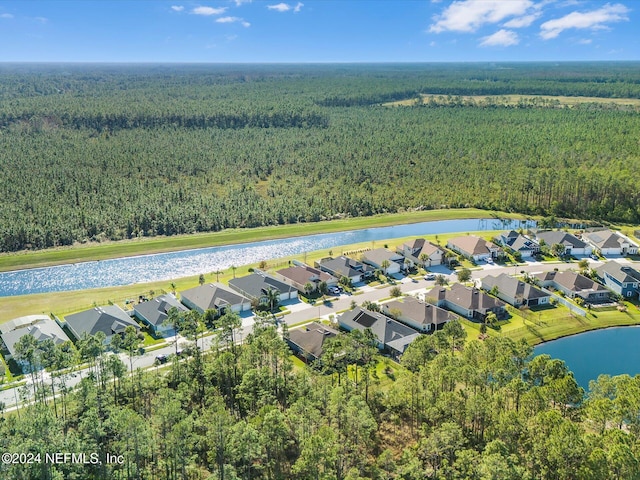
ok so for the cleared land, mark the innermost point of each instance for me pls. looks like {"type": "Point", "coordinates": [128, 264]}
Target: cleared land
{"type": "Point", "coordinates": [514, 100]}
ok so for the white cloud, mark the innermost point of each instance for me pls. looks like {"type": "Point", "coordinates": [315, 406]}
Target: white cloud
{"type": "Point", "coordinates": [208, 11]}
{"type": "Point", "coordinates": [524, 21]}
{"type": "Point", "coordinates": [279, 7]}
{"type": "Point", "coordinates": [584, 41]}
{"type": "Point", "coordinates": [6, 15]}
{"type": "Point", "coordinates": [502, 38]}
{"type": "Point", "coordinates": [177, 8]}
{"type": "Point", "coordinates": [240, 2]}
{"type": "Point", "coordinates": [594, 20]}
{"type": "Point", "coordinates": [233, 20]}
{"type": "Point", "coordinates": [469, 15]}
{"type": "Point", "coordinates": [298, 7]}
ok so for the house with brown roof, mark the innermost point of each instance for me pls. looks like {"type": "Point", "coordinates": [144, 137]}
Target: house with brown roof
{"type": "Point", "coordinates": [573, 285]}
{"type": "Point", "coordinates": [421, 252]}
{"type": "Point", "coordinates": [308, 340]}
{"type": "Point", "coordinates": [468, 302]}
{"type": "Point", "coordinates": [475, 248]}
{"type": "Point", "coordinates": [300, 275]}
{"type": "Point", "coordinates": [417, 314]}
{"type": "Point", "coordinates": [346, 267]}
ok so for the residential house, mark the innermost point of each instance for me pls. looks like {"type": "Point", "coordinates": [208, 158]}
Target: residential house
{"type": "Point", "coordinates": [380, 256]}
{"type": "Point", "coordinates": [468, 302]}
{"type": "Point", "coordinates": [519, 243]}
{"type": "Point", "coordinates": [417, 249]}
{"type": "Point", "coordinates": [608, 242]}
{"type": "Point", "coordinates": [622, 279]}
{"type": "Point", "coordinates": [215, 296]}
{"type": "Point", "coordinates": [475, 248]}
{"type": "Point", "coordinates": [308, 341]}
{"type": "Point", "coordinates": [572, 244]}
{"type": "Point", "coordinates": [110, 320]}
{"type": "Point", "coordinates": [300, 275]}
{"type": "Point", "coordinates": [41, 327]}
{"type": "Point", "coordinates": [391, 334]}
{"type": "Point", "coordinates": [346, 267]}
{"type": "Point", "coordinates": [573, 285]}
{"type": "Point", "coordinates": [420, 315]}
{"type": "Point", "coordinates": [155, 312]}
{"type": "Point", "coordinates": [515, 291]}
{"type": "Point", "coordinates": [256, 285]}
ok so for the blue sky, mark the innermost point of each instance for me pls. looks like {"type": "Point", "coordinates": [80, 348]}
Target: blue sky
{"type": "Point", "coordinates": [318, 30]}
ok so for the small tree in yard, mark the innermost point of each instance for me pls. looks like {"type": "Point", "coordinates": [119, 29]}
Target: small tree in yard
{"type": "Point", "coordinates": [441, 280]}
{"type": "Point", "coordinates": [464, 275]}
{"type": "Point", "coordinates": [385, 265]}
{"type": "Point", "coordinates": [396, 292]}
{"type": "Point", "coordinates": [201, 279]}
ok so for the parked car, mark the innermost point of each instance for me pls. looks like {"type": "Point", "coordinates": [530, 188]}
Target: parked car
{"type": "Point", "coordinates": [160, 359]}
{"type": "Point", "coordinates": [430, 276]}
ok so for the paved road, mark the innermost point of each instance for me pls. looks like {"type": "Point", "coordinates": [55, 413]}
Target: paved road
{"type": "Point", "coordinates": [301, 312]}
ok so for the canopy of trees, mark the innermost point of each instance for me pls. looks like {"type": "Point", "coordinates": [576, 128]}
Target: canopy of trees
{"type": "Point", "coordinates": [89, 153]}
{"type": "Point", "coordinates": [475, 411]}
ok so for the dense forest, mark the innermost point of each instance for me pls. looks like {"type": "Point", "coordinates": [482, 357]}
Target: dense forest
{"type": "Point", "coordinates": [485, 410]}
{"type": "Point", "coordinates": [95, 152]}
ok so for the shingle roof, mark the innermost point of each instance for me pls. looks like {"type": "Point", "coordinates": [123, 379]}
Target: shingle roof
{"type": "Point", "coordinates": [257, 285]}
{"type": "Point", "coordinates": [212, 296]}
{"type": "Point", "coordinates": [622, 273]}
{"type": "Point", "coordinates": [572, 281]}
{"type": "Point", "coordinates": [465, 297]}
{"type": "Point", "coordinates": [42, 329]}
{"type": "Point", "coordinates": [302, 273]}
{"type": "Point", "coordinates": [605, 239]}
{"type": "Point", "coordinates": [379, 255]}
{"type": "Point", "coordinates": [311, 338]}
{"type": "Point", "coordinates": [155, 311]}
{"type": "Point", "coordinates": [558, 236]}
{"type": "Point", "coordinates": [387, 330]}
{"type": "Point", "coordinates": [512, 287]}
{"type": "Point", "coordinates": [345, 266]}
{"type": "Point", "coordinates": [420, 312]}
{"type": "Point", "coordinates": [472, 244]}
{"type": "Point", "coordinates": [109, 319]}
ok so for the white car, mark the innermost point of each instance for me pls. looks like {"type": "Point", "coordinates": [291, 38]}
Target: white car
{"type": "Point", "coordinates": [430, 276]}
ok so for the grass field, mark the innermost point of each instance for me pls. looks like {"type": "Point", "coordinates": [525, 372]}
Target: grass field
{"type": "Point", "coordinates": [142, 246]}
{"type": "Point", "coordinates": [512, 100]}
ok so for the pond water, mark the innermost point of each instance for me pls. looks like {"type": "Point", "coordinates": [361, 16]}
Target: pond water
{"type": "Point", "coordinates": [612, 351]}
{"type": "Point", "coordinates": [165, 266]}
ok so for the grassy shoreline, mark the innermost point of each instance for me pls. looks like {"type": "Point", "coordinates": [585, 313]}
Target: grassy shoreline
{"type": "Point", "coordinates": [149, 245]}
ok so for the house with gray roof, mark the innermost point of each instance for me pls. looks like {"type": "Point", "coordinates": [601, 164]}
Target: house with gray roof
{"type": "Point", "coordinates": [378, 256]}
{"type": "Point", "coordinates": [155, 312]}
{"type": "Point", "coordinates": [308, 340]}
{"type": "Point", "coordinates": [622, 279]}
{"type": "Point", "coordinates": [41, 327]}
{"type": "Point", "coordinates": [519, 243]}
{"type": "Point", "coordinates": [474, 247]}
{"type": "Point", "coordinates": [515, 291]}
{"type": "Point", "coordinates": [346, 267]}
{"type": "Point", "coordinates": [256, 285]}
{"type": "Point", "coordinates": [109, 319]}
{"type": "Point", "coordinates": [214, 296]}
{"type": "Point", "coordinates": [608, 242]}
{"type": "Point", "coordinates": [467, 302]}
{"type": "Point", "coordinates": [391, 334]}
{"type": "Point", "coordinates": [421, 252]}
{"type": "Point", "coordinates": [417, 314]}
{"type": "Point", "coordinates": [572, 244]}
{"type": "Point", "coordinates": [573, 285]}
